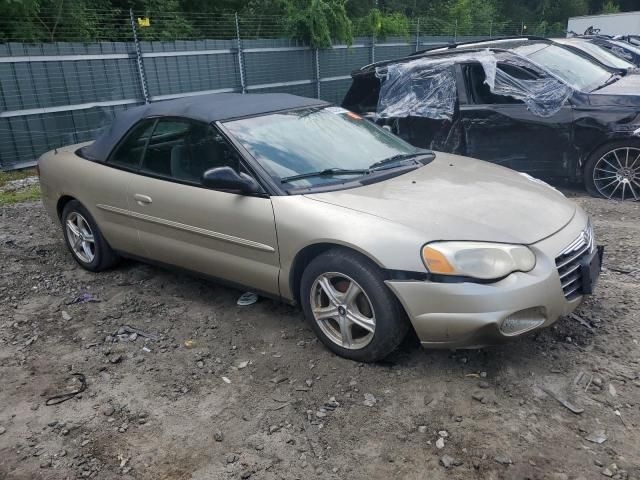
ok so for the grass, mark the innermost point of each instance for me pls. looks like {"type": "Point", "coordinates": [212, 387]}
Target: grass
{"type": "Point", "coordinates": [23, 195]}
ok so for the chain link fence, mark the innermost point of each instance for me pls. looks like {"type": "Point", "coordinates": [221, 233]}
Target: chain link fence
{"type": "Point", "coordinates": [62, 80]}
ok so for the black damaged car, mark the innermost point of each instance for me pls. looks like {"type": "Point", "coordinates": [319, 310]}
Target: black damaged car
{"type": "Point", "coordinates": [528, 104]}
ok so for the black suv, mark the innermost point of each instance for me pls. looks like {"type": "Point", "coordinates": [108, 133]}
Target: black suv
{"type": "Point", "coordinates": [525, 103]}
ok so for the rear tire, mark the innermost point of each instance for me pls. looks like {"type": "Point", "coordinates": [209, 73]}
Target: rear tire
{"type": "Point", "coordinates": [84, 239]}
{"type": "Point", "coordinates": [613, 171]}
{"type": "Point", "coordinates": [349, 307]}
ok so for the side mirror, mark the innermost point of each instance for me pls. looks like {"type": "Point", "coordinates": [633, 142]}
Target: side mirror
{"type": "Point", "coordinates": [226, 178]}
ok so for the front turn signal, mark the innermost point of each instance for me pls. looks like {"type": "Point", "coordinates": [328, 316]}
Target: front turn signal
{"type": "Point", "coordinates": [436, 262]}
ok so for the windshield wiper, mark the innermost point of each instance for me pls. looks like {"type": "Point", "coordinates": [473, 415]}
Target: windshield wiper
{"type": "Point", "coordinates": [612, 79]}
{"type": "Point", "coordinates": [391, 162]}
{"type": "Point", "coordinates": [325, 173]}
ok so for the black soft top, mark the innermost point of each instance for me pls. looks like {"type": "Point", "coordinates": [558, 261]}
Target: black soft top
{"type": "Point", "coordinates": [204, 108]}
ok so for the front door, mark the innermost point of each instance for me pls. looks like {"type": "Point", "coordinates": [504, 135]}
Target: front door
{"type": "Point", "coordinates": [500, 129]}
{"type": "Point", "coordinates": [221, 234]}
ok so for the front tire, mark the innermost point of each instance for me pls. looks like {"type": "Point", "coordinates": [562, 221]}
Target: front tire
{"type": "Point", "coordinates": [84, 239]}
{"type": "Point", "coordinates": [613, 171]}
{"type": "Point", "coordinates": [349, 307]}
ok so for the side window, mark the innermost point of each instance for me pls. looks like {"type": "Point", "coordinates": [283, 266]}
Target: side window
{"type": "Point", "coordinates": [479, 91]}
{"type": "Point", "coordinates": [184, 150]}
{"type": "Point", "coordinates": [129, 152]}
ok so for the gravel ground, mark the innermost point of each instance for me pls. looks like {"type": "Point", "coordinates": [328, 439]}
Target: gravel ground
{"type": "Point", "coordinates": [223, 392]}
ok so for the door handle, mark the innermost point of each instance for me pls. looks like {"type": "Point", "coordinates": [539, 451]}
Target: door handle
{"type": "Point", "coordinates": [142, 199]}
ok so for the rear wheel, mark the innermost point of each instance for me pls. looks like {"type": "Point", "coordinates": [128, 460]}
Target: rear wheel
{"type": "Point", "coordinates": [349, 307]}
{"type": "Point", "coordinates": [613, 171]}
{"type": "Point", "coordinates": [84, 239]}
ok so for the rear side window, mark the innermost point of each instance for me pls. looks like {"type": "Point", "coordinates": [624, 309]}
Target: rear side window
{"type": "Point", "coordinates": [183, 150]}
{"type": "Point", "coordinates": [129, 153]}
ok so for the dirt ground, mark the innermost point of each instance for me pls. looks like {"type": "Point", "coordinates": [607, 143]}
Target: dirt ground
{"type": "Point", "coordinates": [226, 392]}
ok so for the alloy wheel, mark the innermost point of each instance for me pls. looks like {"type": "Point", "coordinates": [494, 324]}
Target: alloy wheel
{"type": "Point", "coordinates": [80, 237]}
{"type": "Point", "coordinates": [343, 310]}
{"type": "Point", "coordinates": [617, 174]}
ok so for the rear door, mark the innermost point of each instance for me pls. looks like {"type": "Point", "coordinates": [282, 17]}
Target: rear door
{"type": "Point", "coordinates": [180, 222]}
{"type": "Point", "coordinates": [500, 129]}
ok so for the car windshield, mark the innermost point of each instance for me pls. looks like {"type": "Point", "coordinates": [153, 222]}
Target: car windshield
{"type": "Point", "coordinates": [626, 46]}
{"type": "Point", "coordinates": [317, 146]}
{"type": "Point", "coordinates": [576, 71]}
{"type": "Point", "coordinates": [601, 54]}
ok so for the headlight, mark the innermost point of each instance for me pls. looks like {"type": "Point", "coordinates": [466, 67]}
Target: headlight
{"type": "Point", "coordinates": [477, 259]}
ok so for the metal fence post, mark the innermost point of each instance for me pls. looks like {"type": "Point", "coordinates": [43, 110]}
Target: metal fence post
{"type": "Point", "coordinates": [243, 85]}
{"type": "Point", "coordinates": [417, 35]}
{"type": "Point", "coordinates": [491, 28]}
{"type": "Point", "coordinates": [141, 72]}
{"type": "Point", "coordinates": [316, 55]}
{"type": "Point", "coordinates": [373, 49]}
{"type": "Point", "coordinates": [455, 32]}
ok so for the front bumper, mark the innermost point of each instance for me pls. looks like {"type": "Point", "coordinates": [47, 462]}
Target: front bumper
{"type": "Point", "coordinates": [471, 315]}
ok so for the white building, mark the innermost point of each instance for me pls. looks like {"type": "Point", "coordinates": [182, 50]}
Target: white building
{"type": "Point", "coordinates": [624, 23]}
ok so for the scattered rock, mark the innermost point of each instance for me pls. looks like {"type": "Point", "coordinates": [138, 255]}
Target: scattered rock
{"type": "Point", "coordinates": [246, 474]}
{"type": "Point", "coordinates": [503, 459]}
{"type": "Point", "coordinates": [108, 410]}
{"type": "Point", "coordinates": [279, 379]}
{"type": "Point", "coordinates": [115, 358]}
{"type": "Point", "coordinates": [2, 430]}
{"type": "Point", "coordinates": [479, 397]}
{"type": "Point", "coordinates": [369, 400]}
{"type": "Point", "coordinates": [597, 436]}
{"type": "Point", "coordinates": [218, 436]}
{"type": "Point", "coordinates": [440, 443]}
{"type": "Point", "coordinates": [232, 458]}
{"type": "Point", "coordinates": [484, 384]}
{"type": "Point", "coordinates": [422, 429]}
{"type": "Point", "coordinates": [65, 316]}
{"type": "Point", "coordinates": [447, 461]}
{"type": "Point", "coordinates": [443, 433]}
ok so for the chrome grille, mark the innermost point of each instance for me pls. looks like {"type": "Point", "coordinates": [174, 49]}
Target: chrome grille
{"type": "Point", "coordinates": [568, 262]}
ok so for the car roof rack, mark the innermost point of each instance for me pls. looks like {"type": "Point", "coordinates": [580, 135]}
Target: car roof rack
{"type": "Point", "coordinates": [452, 46]}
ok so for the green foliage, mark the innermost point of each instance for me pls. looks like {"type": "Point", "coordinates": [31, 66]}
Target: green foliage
{"type": "Point", "coordinates": [319, 22]}
{"type": "Point", "coordinates": [23, 195]}
{"type": "Point", "coordinates": [383, 25]}
{"type": "Point", "coordinates": [610, 7]}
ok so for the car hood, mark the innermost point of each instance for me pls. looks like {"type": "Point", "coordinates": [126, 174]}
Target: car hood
{"type": "Point", "coordinates": [625, 91]}
{"type": "Point", "coordinates": [458, 198]}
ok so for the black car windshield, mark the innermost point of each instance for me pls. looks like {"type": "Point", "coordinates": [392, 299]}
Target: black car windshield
{"type": "Point", "coordinates": [317, 146]}
{"type": "Point", "coordinates": [576, 71]}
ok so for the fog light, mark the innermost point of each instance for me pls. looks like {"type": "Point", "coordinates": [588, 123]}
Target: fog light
{"type": "Point", "coordinates": [520, 322]}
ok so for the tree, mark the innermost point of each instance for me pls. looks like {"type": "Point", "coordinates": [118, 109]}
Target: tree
{"type": "Point", "coordinates": [610, 7]}
{"type": "Point", "coordinates": [319, 22]}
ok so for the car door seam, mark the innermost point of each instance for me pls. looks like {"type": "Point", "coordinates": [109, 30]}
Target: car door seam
{"type": "Point", "coordinates": [189, 228]}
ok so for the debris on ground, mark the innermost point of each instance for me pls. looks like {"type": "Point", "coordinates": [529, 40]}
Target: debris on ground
{"type": "Point", "coordinates": [247, 298]}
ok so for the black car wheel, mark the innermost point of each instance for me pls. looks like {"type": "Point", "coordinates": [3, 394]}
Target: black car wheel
{"type": "Point", "coordinates": [84, 239]}
{"type": "Point", "coordinates": [349, 307]}
{"type": "Point", "coordinates": [613, 171]}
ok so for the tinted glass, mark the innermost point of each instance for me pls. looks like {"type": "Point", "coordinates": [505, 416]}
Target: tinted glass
{"type": "Point", "coordinates": [184, 150]}
{"type": "Point", "coordinates": [313, 139]}
{"type": "Point", "coordinates": [129, 152]}
{"type": "Point", "coordinates": [576, 71]}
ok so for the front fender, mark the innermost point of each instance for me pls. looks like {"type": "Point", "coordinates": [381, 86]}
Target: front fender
{"type": "Point", "coordinates": [302, 222]}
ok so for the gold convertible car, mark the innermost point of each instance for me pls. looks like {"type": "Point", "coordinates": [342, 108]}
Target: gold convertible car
{"type": "Point", "coordinates": [310, 203]}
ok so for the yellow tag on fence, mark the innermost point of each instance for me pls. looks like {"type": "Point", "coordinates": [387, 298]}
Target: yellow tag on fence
{"type": "Point", "coordinates": [144, 22]}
